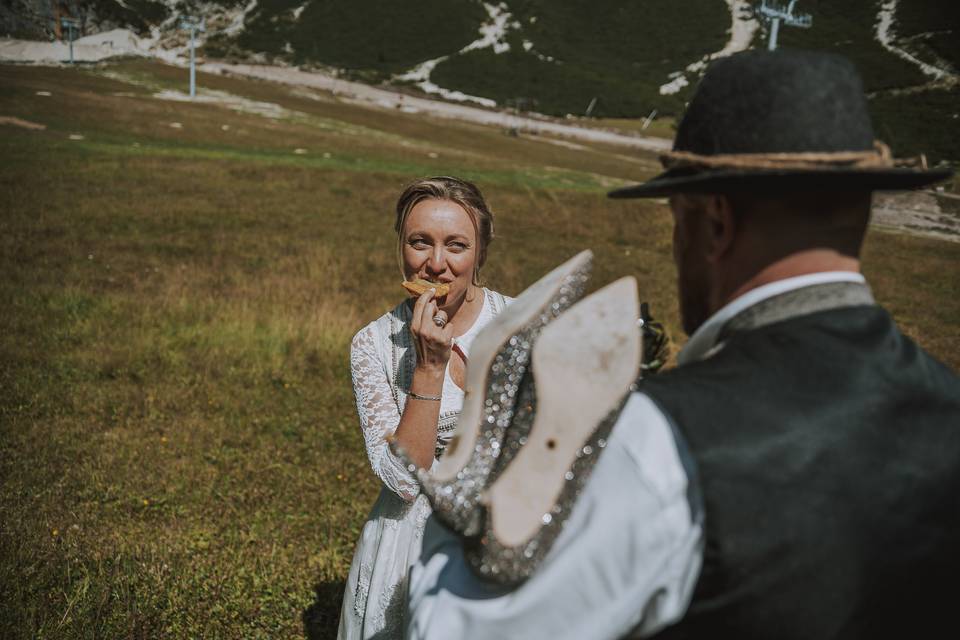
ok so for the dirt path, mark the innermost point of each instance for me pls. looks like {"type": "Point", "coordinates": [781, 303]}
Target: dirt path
{"type": "Point", "coordinates": [367, 95]}
{"type": "Point", "coordinates": [921, 213]}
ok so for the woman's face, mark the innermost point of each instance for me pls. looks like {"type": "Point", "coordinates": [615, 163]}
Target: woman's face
{"type": "Point", "coordinates": [440, 245]}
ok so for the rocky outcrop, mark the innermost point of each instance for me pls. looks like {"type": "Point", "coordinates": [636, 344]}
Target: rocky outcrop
{"type": "Point", "coordinates": [39, 19]}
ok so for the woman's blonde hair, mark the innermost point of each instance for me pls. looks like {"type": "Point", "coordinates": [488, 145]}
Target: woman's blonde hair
{"type": "Point", "coordinates": [464, 193]}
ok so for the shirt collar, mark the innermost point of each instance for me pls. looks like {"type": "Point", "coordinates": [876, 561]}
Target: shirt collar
{"type": "Point", "coordinates": [704, 339]}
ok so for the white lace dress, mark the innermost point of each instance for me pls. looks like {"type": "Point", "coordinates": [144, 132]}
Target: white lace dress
{"type": "Point", "coordinates": [382, 359]}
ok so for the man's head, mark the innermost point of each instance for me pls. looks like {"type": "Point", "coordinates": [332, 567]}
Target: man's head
{"type": "Point", "coordinates": [722, 242]}
{"type": "Point", "coordinates": [770, 175]}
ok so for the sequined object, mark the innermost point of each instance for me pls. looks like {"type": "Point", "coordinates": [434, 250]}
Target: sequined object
{"type": "Point", "coordinates": [516, 436]}
{"type": "Point", "coordinates": [456, 503]}
{"type": "Point", "coordinates": [511, 565]}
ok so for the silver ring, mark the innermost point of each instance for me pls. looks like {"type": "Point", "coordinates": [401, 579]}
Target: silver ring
{"type": "Point", "coordinates": [439, 321]}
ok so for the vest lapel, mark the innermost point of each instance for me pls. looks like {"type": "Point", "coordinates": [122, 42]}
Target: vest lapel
{"type": "Point", "coordinates": [799, 302]}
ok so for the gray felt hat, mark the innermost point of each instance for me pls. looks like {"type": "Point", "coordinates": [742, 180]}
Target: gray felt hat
{"type": "Point", "coordinates": [781, 120]}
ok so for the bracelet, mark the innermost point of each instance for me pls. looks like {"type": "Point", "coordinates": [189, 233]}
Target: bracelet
{"type": "Point", "coordinates": [417, 396]}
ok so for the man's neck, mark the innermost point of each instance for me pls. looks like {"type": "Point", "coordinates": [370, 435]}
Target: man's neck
{"type": "Point", "coordinates": [796, 264]}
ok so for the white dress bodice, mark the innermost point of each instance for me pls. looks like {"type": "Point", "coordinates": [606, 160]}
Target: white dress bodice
{"type": "Point", "coordinates": [382, 359]}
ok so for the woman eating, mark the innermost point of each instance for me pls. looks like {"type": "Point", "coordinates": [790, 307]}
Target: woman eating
{"type": "Point", "coordinates": [408, 370]}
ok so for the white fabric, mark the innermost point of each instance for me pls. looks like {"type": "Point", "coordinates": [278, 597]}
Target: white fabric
{"type": "Point", "coordinates": [630, 554]}
{"type": "Point", "coordinates": [581, 590]}
{"type": "Point", "coordinates": [381, 361]}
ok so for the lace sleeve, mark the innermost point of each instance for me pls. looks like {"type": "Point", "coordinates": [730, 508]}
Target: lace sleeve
{"type": "Point", "coordinates": [379, 415]}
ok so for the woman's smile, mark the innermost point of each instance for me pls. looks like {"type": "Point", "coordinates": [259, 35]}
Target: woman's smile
{"type": "Point", "coordinates": [440, 246]}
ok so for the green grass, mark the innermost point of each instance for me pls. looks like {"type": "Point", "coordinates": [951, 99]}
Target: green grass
{"type": "Point", "coordinates": [615, 51]}
{"type": "Point", "coordinates": [619, 52]}
{"type": "Point", "coordinates": [611, 50]}
{"type": "Point", "coordinates": [848, 29]}
{"type": "Point", "coordinates": [934, 24]}
{"type": "Point", "coordinates": [659, 127]}
{"type": "Point", "coordinates": [179, 450]}
{"type": "Point", "coordinates": [914, 122]}
{"type": "Point", "coordinates": [903, 122]}
{"type": "Point", "coordinates": [378, 36]}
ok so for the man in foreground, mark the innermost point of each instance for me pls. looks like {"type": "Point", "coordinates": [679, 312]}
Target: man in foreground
{"type": "Point", "coordinates": [798, 474]}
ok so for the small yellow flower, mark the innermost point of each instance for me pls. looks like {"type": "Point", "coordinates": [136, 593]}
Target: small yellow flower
{"type": "Point", "coordinates": [55, 533]}
{"type": "Point", "coordinates": [339, 476]}
{"type": "Point", "coordinates": [163, 439]}
{"type": "Point", "coordinates": [146, 502]}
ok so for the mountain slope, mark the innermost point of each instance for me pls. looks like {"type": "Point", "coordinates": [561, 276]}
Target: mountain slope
{"type": "Point", "coordinates": [604, 58]}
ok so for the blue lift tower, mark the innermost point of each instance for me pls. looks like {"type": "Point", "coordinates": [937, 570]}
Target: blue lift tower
{"type": "Point", "coordinates": [193, 25]}
{"type": "Point", "coordinates": [774, 12]}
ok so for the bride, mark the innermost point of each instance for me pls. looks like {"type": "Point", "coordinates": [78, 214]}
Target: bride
{"type": "Point", "coordinates": [408, 371]}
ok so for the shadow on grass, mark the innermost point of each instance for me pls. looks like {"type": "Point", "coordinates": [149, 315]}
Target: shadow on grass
{"type": "Point", "coordinates": [321, 618]}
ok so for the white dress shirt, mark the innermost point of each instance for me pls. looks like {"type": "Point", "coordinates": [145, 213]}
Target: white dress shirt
{"type": "Point", "coordinates": [630, 553]}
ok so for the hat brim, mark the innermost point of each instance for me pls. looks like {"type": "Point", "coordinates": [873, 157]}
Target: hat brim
{"type": "Point", "coordinates": [676, 181]}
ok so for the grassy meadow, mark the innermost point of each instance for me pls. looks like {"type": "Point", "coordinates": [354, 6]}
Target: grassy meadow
{"type": "Point", "coordinates": [179, 450]}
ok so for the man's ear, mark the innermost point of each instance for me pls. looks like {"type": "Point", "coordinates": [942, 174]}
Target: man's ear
{"type": "Point", "coordinates": [721, 226]}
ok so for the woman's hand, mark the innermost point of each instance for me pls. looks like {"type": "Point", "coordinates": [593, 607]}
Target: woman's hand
{"type": "Point", "coordinates": [433, 343]}
{"type": "Point", "coordinates": [417, 431]}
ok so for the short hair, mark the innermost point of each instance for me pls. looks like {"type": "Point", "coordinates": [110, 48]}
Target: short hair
{"type": "Point", "coordinates": [457, 190]}
{"type": "Point", "coordinates": [836, 219]}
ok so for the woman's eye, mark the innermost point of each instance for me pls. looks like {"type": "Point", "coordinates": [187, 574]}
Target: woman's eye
{"type": "Point", "coordinates": [458, 246]}
{"type": "Point", "coordinates": [419, 243]}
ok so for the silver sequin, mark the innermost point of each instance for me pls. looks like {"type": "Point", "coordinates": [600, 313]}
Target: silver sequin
{"type": "Point", "coordinates": [511, 565]}
{"type": "Point", "coordinates": [460, 509]}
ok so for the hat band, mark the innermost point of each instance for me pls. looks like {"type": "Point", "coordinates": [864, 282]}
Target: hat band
{"type": "Point", "coordinates": [879, 156]}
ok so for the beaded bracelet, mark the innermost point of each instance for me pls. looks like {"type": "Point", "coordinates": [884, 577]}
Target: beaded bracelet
{"type": "Point", "coordinates": [417, 396]}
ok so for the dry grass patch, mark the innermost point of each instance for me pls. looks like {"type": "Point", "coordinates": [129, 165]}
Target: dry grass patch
{"type": "Point", "coordinates": [179, 449]}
